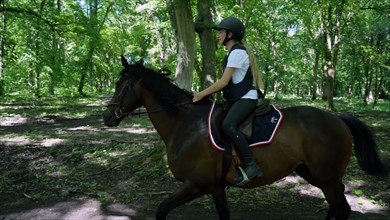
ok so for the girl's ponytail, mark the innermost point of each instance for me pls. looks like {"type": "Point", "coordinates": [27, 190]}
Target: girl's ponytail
{"type": "Point", "coordinates": [254, 68]}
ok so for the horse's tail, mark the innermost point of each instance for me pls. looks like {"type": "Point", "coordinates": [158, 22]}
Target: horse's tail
{"type": "Point", "coordinates": [365, 146]}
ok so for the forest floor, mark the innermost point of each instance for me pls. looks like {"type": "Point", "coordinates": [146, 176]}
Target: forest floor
{"type": "Point", "coordinates": [58, 161]}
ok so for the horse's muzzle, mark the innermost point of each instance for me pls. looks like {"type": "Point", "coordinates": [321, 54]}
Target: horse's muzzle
{"type": "Point", "coordinates": [110, 119]}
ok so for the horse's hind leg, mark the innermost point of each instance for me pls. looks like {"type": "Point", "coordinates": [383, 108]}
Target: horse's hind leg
{"type": "Point", "coordinates": [338, 206]}
{"type": "Point", "coordinates": [334, 193]}
{"type": "Point", "coordinates": [186, 193]}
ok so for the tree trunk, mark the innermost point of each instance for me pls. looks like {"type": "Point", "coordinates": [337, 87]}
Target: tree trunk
{"type": "Point", "coordinates": [381, 91]}
{"type": "Point", "coordinates": [88, 66]}
{"type": "Point", "coordinates": [376, 85]}
{"type": "Point", "coordinates": [37, 49]}
{"type": "Point", "coordinates": [204, 29]}
{"type": "Point", "coordinates": [276, 66]}
{"type": "Point", "coordinates": [329, 70]}
{"type": "Point", "coordinates": [368, 73]}
{"type": "Point", "coordinates": [314, 85]}
{"type": "Point", "coordinates": [185, 39]}
{"type": "Point", "coordinates": [93, 39]}
{"type": "Point", "coordinates": [331, 28]}
{"type": "Point", "coordinates": [37, 69]}
{"type": "Point", "coordinates": [55, 57]}
{"type": "Point", "coordinates": [378, 73]}
{"type": "Point", "coordinates": [367, 89]}
{"type": "Point", "coordinates": [2, 31]}
{"type": "Point", "coordinates": [94, 27]}
{"type": "Point", "coordinates": [355, 72]}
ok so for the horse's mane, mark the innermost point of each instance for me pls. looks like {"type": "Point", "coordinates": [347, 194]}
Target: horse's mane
{"type": "Point", "coordinates": [172, 97]}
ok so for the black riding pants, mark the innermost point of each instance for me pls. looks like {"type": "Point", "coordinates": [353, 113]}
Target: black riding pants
{"type": "Point", "coordinates": [236, 114]}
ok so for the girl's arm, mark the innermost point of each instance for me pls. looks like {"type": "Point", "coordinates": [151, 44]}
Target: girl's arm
{"type": "Point", "coordinates": [217, 86]}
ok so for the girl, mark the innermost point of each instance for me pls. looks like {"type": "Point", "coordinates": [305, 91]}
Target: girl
{"type": "Point", "coordinates": [236, 83]}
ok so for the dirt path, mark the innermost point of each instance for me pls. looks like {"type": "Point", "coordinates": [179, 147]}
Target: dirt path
{"type": "Point", "coordinates": [93, 209]}
{"type": "Point", "coordinates": [33, 138]}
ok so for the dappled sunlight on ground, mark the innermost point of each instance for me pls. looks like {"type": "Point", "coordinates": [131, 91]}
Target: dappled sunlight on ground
{"type": "Point", "coordinates": [358, 203]}
{"type": "Point", "coordinates": [132, 130]}
{"type": "Point", "coordinates": [19, 130]}
{"type": "Point", "coordinates": [17, 119]}
{"type": "Point", "coordinates": [52, 142]}
{"type": "Point", "coordinates": [83, 128]}
{"type": "Point", "coordinates": [364, 205]}
{"type": "Point", "coordinates": [299, 185]}
{"type": "Point", "coordinates": [71, 210]}
{"type": "Point", "coordinates": [9, 140]}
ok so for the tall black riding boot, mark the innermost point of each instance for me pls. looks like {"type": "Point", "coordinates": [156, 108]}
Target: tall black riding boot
{"type": "Point", "coordinates": [250, 168]}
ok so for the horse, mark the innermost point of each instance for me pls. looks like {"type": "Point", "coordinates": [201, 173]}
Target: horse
{"type": "Point", "coordinates": [311, 142]}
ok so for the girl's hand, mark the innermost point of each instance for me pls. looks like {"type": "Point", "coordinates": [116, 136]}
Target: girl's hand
{"type": "Point", "coordinates": [197, 97]}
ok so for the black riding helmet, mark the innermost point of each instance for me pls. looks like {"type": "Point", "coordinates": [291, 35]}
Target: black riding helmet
{"type": "Point", "coordinates": [233, 25]}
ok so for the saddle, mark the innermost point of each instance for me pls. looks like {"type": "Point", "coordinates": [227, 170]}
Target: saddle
{"type": "Point", "coordinates": [259, 128]}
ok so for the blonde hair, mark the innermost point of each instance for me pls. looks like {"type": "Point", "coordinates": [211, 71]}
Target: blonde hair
{"type": "Point", "coordinates": [258, 81]}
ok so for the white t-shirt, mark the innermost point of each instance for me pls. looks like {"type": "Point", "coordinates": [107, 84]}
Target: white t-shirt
{"type": "Point", "coordinates": [239, 60]}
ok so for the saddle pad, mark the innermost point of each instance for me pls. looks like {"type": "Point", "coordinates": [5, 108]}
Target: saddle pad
{"type": "Point", "coordinates": [264, 128]}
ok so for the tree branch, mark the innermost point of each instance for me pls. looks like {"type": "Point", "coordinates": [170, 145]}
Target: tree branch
{"type": "Point", "coordinates": [379, 9]}
{"type": "Point", "coordinates": [106, 14]}
{"type": "Point", "coordinates": [29, 12]}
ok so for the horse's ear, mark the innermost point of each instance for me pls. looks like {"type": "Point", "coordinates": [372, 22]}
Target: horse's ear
{"type": "Point", "coordinates": [125, 64]}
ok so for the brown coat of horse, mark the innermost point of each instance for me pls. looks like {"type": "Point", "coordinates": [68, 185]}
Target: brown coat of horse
{"type": "Point", "coordinates": [314, 143]}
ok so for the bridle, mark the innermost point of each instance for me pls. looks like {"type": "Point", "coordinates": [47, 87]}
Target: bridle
{"type": "Point", "coordinates": [119, 110]}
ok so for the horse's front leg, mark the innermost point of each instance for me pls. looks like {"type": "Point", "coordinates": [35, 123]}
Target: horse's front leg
{"type": "Point", "coordinates": [219, 198]}
{"type": "Point", "coordinates": [186, 193]}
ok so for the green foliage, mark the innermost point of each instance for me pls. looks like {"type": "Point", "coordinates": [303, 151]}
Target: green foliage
{"type": "Point", "coordinates": [50, 49]}
{"type": "Point", "coordinates": [53, 49]}
{"type": "Point", "coordinates": [357, 192]}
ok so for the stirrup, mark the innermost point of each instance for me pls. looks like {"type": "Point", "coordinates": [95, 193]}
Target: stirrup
{"type": "Point", "coordinates": [245, 177]}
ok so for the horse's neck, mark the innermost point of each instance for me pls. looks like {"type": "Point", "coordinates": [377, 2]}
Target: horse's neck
{"type": "Point", "coordinates": [169, 125]}
{"type": "Point", "coordinates": [172, 126]}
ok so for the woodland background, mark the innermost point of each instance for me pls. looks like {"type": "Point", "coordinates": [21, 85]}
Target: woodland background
{"type": "Point", "coordinates": [309, 48]}
{"type": "Point", "coordinates": [60, 59]}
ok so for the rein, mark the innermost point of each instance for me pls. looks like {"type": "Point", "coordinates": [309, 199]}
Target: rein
{"type": "Point", "coordinates": [119, 112]}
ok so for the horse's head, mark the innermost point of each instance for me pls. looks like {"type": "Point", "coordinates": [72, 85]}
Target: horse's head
{"type": "Point", "coordinates": [125, 99]}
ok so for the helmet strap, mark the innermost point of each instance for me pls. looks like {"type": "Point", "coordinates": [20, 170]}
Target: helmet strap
{"type": "Point", "coordinates": [227, 38]}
